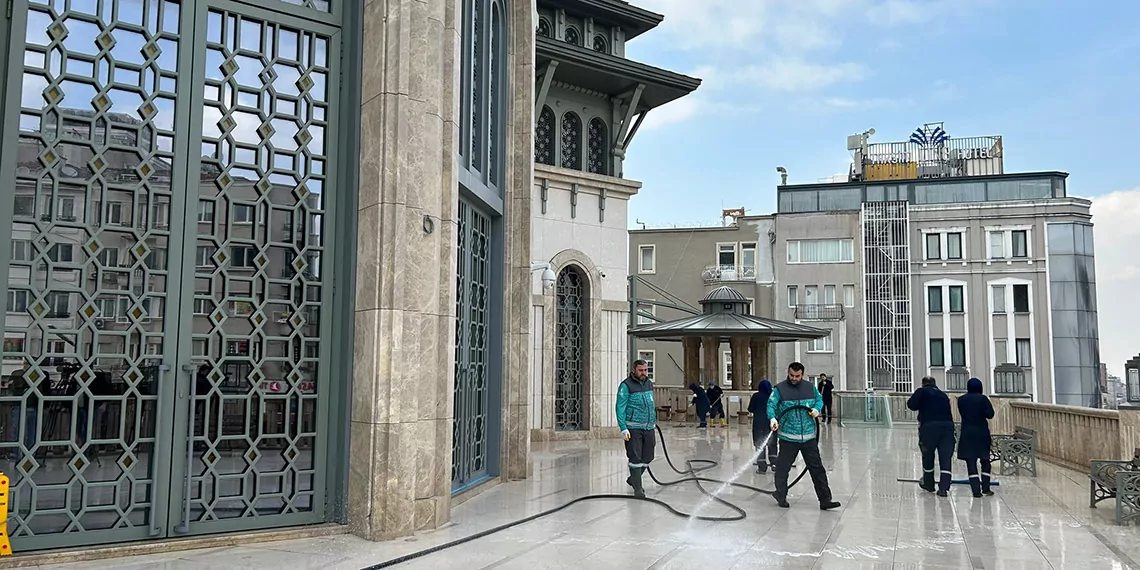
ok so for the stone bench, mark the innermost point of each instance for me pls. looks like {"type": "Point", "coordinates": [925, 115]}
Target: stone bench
{"type": "Point", "coordinates": [1119, 480]}
{"type": "Point", "coordinates": [1017, 452]}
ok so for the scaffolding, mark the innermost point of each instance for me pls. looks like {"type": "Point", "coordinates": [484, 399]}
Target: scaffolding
{"type": "Point", "coordinates": [886, 286]}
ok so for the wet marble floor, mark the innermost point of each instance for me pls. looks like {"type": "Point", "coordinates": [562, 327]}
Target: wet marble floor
{"type": "Point", "coordinates": [1041, 522]}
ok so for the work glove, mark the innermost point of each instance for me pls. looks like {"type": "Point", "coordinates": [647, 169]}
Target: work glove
{"type": "Point", "coordinates": [814, 413]}
{"type": "Point", "coordinates": [775, 424]}
{"type": "Point", "coordinates": [625, 434]}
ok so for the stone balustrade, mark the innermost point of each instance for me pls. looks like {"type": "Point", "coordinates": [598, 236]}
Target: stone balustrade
{"type": "Point", "coordinates": [1072, 436]}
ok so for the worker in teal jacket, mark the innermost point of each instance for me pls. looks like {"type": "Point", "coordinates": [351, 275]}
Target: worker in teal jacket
{"type": "Point", "coordinates": [636, 417]}
{"type": "Point", "coordinates": [798, 433]}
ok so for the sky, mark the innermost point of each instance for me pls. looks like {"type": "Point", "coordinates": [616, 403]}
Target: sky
{"type": "Point", "coordinates": [785, 82]}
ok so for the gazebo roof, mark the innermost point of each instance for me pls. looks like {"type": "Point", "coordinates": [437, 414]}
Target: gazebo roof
{"type": "Point", "coordinates": [726, 316]}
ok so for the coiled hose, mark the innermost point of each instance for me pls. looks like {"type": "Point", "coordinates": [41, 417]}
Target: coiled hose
{"type": "Point", "coordinates": [693, 467]}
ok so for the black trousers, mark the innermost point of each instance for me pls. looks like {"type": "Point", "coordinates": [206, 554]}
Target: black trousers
{"type": "Point", "coordinates": [639, 449]}
{"type": "Point", "coordinates": [771, 450]}
{"type": "Point", "coordinates": [826, 412]}
{"type": "Point", "coordinates": [936, 438]}
{"type": "Point", "coordinates": [979, 484]}
{"type": "Point", "coordinates": [810, 452]}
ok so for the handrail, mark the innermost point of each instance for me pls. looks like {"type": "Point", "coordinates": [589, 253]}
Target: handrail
{"type": "Point", "coordinates": [184, 526]}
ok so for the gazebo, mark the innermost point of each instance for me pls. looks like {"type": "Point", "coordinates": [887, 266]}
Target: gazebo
{"type": "Point", "coordinates": [726, 318]}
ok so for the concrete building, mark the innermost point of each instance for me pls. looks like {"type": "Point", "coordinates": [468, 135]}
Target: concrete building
{"type": "Point", "coordinates": [928, 261]}
{"type": "Point", "coordinates": [280, 265]}
{"type": "Point", "coordinates": [676, 267]}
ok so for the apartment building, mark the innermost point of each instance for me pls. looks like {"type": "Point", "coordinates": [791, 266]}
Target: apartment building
{"type": "Point", "coordinates": [675, 267]}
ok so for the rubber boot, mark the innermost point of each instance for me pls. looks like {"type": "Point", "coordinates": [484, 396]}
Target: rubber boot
{"type": "Point", "coordinates": [634, 481]}
{"type": "Point", "coordinates": [986, 485]}
{"type": "Point", "coordinates": [723, 422]}
{"type": "Point", "coordinates": [975, 486]}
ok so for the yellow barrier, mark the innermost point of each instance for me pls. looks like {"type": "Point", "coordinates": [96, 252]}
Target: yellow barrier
{"type": "Point", "coordinates": [5, 544]}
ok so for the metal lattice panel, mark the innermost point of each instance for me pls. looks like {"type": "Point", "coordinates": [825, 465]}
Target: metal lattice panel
{"type": "Point", "coordinates": [477, 50]}
{"type": "Point", "coordinates": [571, 141]}
{"type": "Point", "coordinates": [544, 137]}
{"type": "Point", "coordinates": [260, 273]}
{"type": "Point", "coordinates": [87, 288]}
{"type": "Point", "coordinates": [570, 349]}
{"type": "Point", "coordinates": [472, 375]}
{"type": "Point", "coordinates": [886, 274]}
{"type": "Point", "coordinates": [597, 146]}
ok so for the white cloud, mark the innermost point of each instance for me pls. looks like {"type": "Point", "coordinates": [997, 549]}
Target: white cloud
{"type": "Point", "coordinates": [1117, 237]}
{"type": "Point", "coordinates": [677, 111]}
{"type": "Point", "coordinates": [799, 75]}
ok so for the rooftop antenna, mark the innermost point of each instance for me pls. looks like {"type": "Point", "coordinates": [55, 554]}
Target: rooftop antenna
{"type": "Point", "coordinates": [783, 175]}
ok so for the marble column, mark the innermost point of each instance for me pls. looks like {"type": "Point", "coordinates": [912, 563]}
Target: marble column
{"type": "Point", "coordinates": [692, 360]}
{"type": "Point", "coordinates": [760, 361]}
{"type": "Point", "coordinates": [710, 365]}
{"type": "Point", "coordinates": [404, 338]}
{"type": "Point", "coordinates": [739, 347]}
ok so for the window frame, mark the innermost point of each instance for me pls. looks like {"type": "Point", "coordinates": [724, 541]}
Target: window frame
{"type": "Point", "coordinates": [961, 298]}
{"type": "Point", "coordinates": [825, 345]}
{"type": "Point", "coordinates": [847, 245]}
{"type": "Point", "coordinates": [1028, 299]}
{"type": "Point", "coordinates": [930, 297]}
{"type": "Point", "coordinates": [641, 249]}
{"type": "Point", "coordinates": [940, 353]}
{"type": "Point", "coordinates": [1027, 362]}
{"type": "Point", "coordinates": [720, 245]}
{"type": "Point", "coordinates": [956, 343]}
{"type": "Point", "coordinates": [849, 288]}
{"type": "Point", "coordinates": [793, 296]}
{"type": "Point", "coordinates": [961, 239]}
{"type": "Point", "coordinates": [936, 253]}
{"type": "Point", "coordinates": [994, 290]}
{"type": "Point", "coordinates": [1013, 243]}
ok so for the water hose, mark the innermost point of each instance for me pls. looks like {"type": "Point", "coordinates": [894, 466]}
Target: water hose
{"type": "Point", "coordinates": [693, 467]}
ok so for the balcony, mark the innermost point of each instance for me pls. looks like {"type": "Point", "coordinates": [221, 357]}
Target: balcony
{"type": "Point", "coordinates": [728, 273]}
{"type": "Point", "coordinates": [1009, 379]}
{"type": "Point", "coordinates": [816, 312]}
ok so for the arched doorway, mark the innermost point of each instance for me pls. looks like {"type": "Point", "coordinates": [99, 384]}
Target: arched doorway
{"type": "Point", "coordinates": [570, 350]}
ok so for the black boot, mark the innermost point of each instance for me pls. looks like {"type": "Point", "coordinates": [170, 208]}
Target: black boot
{"type": "Point", "coordinates": [782, 502]}
{"type": "Point", "coordinates": [634, 481]}
{"type": "Point", "coordinates": [975, 486]}
{"type": "Point", "coordinates": [828, 505]}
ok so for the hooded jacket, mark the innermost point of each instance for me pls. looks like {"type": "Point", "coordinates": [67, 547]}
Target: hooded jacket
{"type": "Point", "coordinates": [635, 408]}
{"type": "Point", "coordinates": [796, 425]}
{"type": "Point", "coordinates": [700, 399]}
{"type": "Point", "coordinates": [932, 405]}
{"type": "Point", "coordinates": [758, 407]}
{"type": "Point", "coordinates": [976, 412]}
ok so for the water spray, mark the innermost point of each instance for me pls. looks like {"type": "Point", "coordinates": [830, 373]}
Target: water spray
{"type": "Point", "coordinates": [692, 468]}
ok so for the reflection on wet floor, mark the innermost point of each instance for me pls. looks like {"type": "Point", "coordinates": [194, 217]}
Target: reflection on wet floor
{"type": "Point", "coordinates": [1041, 522]}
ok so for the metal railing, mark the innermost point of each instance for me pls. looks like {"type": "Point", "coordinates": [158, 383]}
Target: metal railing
{"type": "Point", "coordinates": [818, 312]}
{"type": "Point", "coordinates": [1009, 379]}
{"type": "Point", "coordinates": [723, 273]}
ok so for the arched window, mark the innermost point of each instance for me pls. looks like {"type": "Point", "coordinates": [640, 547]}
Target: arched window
{"type": "Point", "coordinates": [572, 36]}
{"type": "Point", "coordinates": [570, 350]}
{"type": "Point", "coordinates": [601, 45]}
{"type": "Point", "coordinates": [598, 161]}
{"type": "Point", "coordinates": [544, 137]}
{"type": "Point", "coordinates": [571, 141]}
{"type": "Point", "coordinates": [479, 298]}
{"type": "Point", "coordinates": [544, 28]}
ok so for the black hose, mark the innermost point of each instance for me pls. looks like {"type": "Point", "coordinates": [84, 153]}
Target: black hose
{"type": "Point", "coordinates": [691, 471]}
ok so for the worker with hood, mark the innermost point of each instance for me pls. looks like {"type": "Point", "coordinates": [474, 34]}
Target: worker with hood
{"type": "Point", "coordinates": [716, 400]}
{"type": "Point", "coordinates": [701, 401]}
{"type": "Point", "coordinates": [974, 446]}
{"type": "Point", "coordinates": [758, 407]}
{"type": "Point", "coordinates": [935, 434]}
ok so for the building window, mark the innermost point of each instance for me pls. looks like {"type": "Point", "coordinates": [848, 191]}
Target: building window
{"type": "Point", "coordinates": [17, 301]}
{"type": "Point", "coordinates": [937, 353]}
{"type": "Point", "coordinates": [21, 250]}
{"type": "Point", "coordinates": [934, 299]}
{"type": "Point", "coordinates": [954, 245]}
{"type": "Point", "coordinates": [793, 296]}
{"type": "Point", "coordinates": [572, 36]}
{"type": "Point", "coordinates": [829, 294]}
{"type": "Point", "coordinates": [933, 246]}
{"type": "Point", "coordinates": [821, 251]}
{"type": "Point", "coordinates": [849, 296]}
{"type": "Point", "coordinates": [243, 256]}
{"type": "Point", "coordinates": [1021, 298]}
{"type": "Point", "coordinates": [1020, 243]}
{"type": "Point", "coordinates": [997, 245]}
{"type": "Point", "coordinates": [811, 295]}
{"type": "Point", "coordinates": [1024, 353]}
{"type": "Point", "coordinates": [821, 345]}
{"type": "Point", "coordinates": [60, 253]}
{"type": "Point", "coordinates": [958, 352]}
{"type": "Point", "coordinates": [646, 308]}
{"type": "Point", "coordinates": [601, 45]}
{"type": "Point", "coordinates": [244, 214]}
{"type": "Point", "coordinates": [956, 301]}
{"type": "Point", "coordinates": [751, 305]}
{"type": "Point", "coordinates": [571, 141]}
{"type": "Point", "coordinates": [204, 255]}
{"type": "Point", "coordinates": [205, 211]}
{"type": "Point", "coordinates": [647, 259]}
{"type": "Point", "coordinates": [203, 306]}
{"type": "Point", "coordinates": [24, 206]}
{"type": "Point", "coordinates": [748, 260]}
{"type": "Point", "coordinates": [726, 255]}
{"type": "Point", "coordinates": [598, 147]}
{"type": "Point", "coordinates": [999, 298]}
{"type": "Point", "coordinates": [571, 326]}
{"type": "Point", "coordinates": [544, 137]}
{"type": "Point", "coordinates": [648, 356]}
{"type": "Point", "coordinates": [544, 28]}
{"type": "Point", "coordinates": [1001, 351]}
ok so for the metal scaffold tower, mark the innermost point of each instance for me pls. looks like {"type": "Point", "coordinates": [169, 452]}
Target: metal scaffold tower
{"type": "Point", "coordinates": [886, 282]}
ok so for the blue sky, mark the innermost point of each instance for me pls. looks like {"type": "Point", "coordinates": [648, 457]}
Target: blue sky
{"type": "Point", "coordinates": [785, 81]}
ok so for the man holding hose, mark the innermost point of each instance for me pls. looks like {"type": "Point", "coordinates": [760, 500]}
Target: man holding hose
{"type": "Point", "coordinates": [798, 434]}
{"type": "Point", "coordinates": [636, 417]}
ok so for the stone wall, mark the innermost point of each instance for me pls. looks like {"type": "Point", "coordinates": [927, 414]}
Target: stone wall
{"type": "Point", "coordinates": [1073, 436]}
{"type": "Point", "coordinates": [402, 398]}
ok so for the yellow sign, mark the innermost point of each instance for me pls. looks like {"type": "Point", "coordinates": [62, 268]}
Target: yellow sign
{"type": "Point", "coordinates": [5, 544]}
